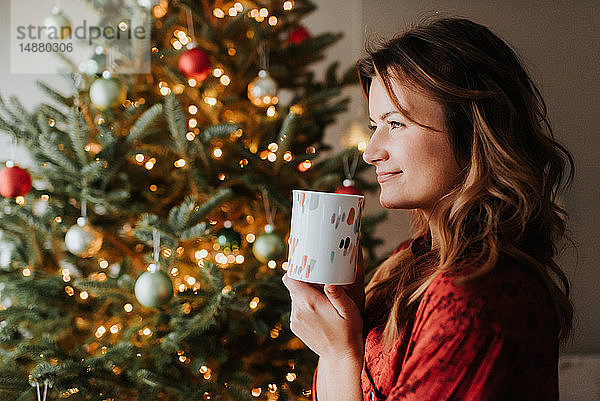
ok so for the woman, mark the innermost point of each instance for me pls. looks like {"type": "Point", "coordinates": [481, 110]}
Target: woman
{"type": "Point", "coordinates": [474, 307]}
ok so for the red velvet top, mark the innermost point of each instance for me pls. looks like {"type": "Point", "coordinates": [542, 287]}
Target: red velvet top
{"type": "Point", "coordinates": [497, 340]}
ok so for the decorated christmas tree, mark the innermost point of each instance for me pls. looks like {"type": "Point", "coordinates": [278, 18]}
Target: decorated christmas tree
{"type": "Point", "coordinates": [142, 252]}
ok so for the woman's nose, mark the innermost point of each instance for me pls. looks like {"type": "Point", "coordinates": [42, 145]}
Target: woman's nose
{"type": "Point", "coordinates": [374, 152]}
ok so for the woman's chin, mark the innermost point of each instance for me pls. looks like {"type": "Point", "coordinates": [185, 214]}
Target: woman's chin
{"type": "Point", "coordinates": [390, 202]}
{"type": "Point", "coordinates": [395, 201]}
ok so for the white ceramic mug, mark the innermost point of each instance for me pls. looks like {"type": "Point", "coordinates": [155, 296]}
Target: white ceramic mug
{"type": "Point", "coordinates": [324, 237]}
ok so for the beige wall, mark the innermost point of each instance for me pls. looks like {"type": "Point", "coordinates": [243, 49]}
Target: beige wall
{"type": "Point", "coordinates": [559, 42]}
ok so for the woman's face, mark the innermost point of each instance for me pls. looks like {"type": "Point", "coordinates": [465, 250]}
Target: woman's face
{"type": "Point", "coordinates": [420, 161]}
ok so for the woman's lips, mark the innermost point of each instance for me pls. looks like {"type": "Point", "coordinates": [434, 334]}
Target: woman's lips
{"type": "Point", "coordinates": [387, 176]}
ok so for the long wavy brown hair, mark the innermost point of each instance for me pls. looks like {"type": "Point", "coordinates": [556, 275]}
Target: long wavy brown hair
{"type": "Point", "coordinates": [506, 204]}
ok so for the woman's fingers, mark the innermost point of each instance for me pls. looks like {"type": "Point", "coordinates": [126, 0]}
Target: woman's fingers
{"type": "Point", "coordinates": [297, 287]}
{"type": "Point", "coordinates": [340, 300]}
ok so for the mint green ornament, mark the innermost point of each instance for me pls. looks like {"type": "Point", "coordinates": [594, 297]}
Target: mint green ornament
{"type": "Point", "coordinates": [227, 237]}
{"type": "Point", "coordinates": [153, 288]}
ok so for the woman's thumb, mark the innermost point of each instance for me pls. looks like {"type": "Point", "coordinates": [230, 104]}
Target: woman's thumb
{"type": "Point", "coordinates": [339, 299]}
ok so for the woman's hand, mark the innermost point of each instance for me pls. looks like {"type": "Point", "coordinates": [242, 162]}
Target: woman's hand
{"type": "Point", "coordinates": [328, 320]}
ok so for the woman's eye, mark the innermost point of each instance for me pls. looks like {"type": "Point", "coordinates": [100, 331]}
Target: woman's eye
{"type": "Point", "coordinates": [397, 124]}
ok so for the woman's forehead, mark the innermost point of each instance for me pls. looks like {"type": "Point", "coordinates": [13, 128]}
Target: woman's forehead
{"type": "Point", "coordinates": [413, 101]}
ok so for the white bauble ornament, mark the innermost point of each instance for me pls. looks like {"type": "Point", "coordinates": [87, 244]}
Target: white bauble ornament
{"type": "Point", "coordinates": [6, 253]}
{"type": "Point", "coordinates": [73, 270]}
{"type": "Point", "coordinates": [57, 25]}
{"type": "Point", "coordinates": [262, 90]}
{"type": "Point", "coordinates": [107, 93]}
{"type": "Point", "coordinates": [39, 207]}
{"type": "Point", "coordinates": [114, 270]}
{"type": "Point", "coordinates": [269, 245]}
{"type": "Point", "coordinates": [153, 288]}
{"type": "Point", "coordinates": [82, 239]}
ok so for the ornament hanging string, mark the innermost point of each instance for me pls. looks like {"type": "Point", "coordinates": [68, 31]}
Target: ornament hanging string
{"type": "Point", "coordinates": [269, 213]}
{"type": "Point", "coordinates": [110, 62]}
{"type": "Point", "coordinates": [156, 240]}
{"type": "Point", "coordinates": [190, 24]}
{"type": "Point", "coordinates": [350, 171]}
{"type": "Point", "coordinates": [37, 386]}
{"type": "Point", "coordinates": [13, 150]}
{"type": "Point", "coordinates": [83, 207]}
{"type": "Point", "coordinates": [263, 52]}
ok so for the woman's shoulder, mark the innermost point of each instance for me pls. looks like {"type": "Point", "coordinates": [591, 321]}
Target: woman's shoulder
{"type": "Point", "coordinates": [509, 299]}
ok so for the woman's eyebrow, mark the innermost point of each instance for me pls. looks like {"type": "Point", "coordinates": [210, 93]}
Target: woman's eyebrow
{"type": "Point", "coordinates": [384, 115]}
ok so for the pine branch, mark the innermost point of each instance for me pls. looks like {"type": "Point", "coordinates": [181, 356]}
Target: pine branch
{"type": "Point", "coordinates": [176, 122]}
{"type": "Point", "coordinates": [331, 74]}
{"type": "Point", "coordinates": [200, 212]}
{"type": "Point", "coordinates": [146, 225]}
{"type": "Point", "coordinates": [322, 96]}
{"type": "Point", "coordinates": [179, 215]}
{"type": "Point", "coordinates": [23, 116]}
{"type": "Point", "coordinates": [350, 77]}
{"type": "Point", "coordinates": [78, 133]}
{"type": "Point", "coordinates": [49, 111]}
{"type": "Point", "coordinates": [92, 171]}
{"type": "Point", "coordinates": [334, 164]}
{"type": "Point", "coordinates": [199, 230]}
{"type": "Point", "coordinates": [10, 122]}
{"type": "Point", "coordinates": [67, 101]}
{"type": "Point", "coordinates": [217, 131]}
{"type": "Point", "coordinates": [12, 383]}
{"type": "Point", "coordinates": [146, 120]}
{"type": "Point", "coordinates": [54, 155]}
{"type": "Point", "coordinates": [283, 203]}
{"type": "Point", "coordinates": [285, 137]}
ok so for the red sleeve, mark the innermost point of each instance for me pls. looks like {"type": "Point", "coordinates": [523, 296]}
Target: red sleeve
{"type": "Point", "coordinates": [470, 345]}
{"type": "Point", "coordinates": [402, 246]}
{"type": "Point", "coordinates": [314, 385]}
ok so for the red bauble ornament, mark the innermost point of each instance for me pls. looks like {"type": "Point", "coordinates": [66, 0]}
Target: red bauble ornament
{"type": "Point", "coordinates": [348, 188]}
{"type": "Point", "coordinates": [298, 35]}
{"type": "Point", "coordinates": [194, 63]}
{"type": "Point", "coordinates": [14, 181]}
